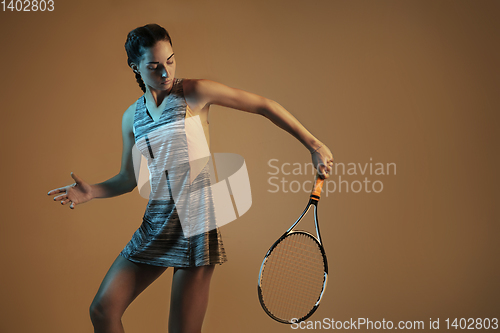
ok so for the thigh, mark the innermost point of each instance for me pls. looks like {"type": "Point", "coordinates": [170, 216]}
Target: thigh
{"type": "Point", "coordinates": [189, 298]}
{"type": "Point", "coordinates": [123, 282]}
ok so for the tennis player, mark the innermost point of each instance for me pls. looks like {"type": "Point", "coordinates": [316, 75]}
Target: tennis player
{"type": "Point", "coordinates": [159, 242]}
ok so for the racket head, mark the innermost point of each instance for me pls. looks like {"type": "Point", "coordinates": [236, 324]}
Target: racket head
{"type": "Point", "coordinates": [292, 277]}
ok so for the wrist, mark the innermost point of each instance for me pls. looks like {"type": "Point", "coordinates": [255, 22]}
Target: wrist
{"type": "Point", "coordinates": [93, 191]}
{"type": "Point", "coordinates": [313, 147]}
{"type": "Point", "coordinates": [315, 150]}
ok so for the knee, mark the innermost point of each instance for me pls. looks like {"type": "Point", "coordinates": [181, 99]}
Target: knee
{"type": "Point", "coordinates": [99, 313]}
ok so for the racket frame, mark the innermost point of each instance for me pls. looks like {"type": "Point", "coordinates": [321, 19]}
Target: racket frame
{"type": "Point", "coordinates": [313, 201]}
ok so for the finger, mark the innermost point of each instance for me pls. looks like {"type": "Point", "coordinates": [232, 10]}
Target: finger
{"type": "Point", "coordinates": [55, 191]}
{"type": "Point", "coordinates": [76, 178]}
{"type": "Point", "coordinates": [60, 189]}
{"type": "Point", "coordinates": [327, 171]}
{"type": "Point", "coordinates": [60, 197]}
{"type": "Point", "coordinates": [320, 167]}
{"type": "Point", "coordinates": [72, 206]}
{"type": "Point", "coordinates": [321, 170]}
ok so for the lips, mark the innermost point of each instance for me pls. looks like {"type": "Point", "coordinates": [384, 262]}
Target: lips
{"type": "Point", "coordinates": [166, 82]}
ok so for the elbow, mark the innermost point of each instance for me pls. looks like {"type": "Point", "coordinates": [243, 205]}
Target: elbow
{"type": "Point", "coordinates": [131, 185]}
{"type": "Point", "coordinates": [129, 182]}
{"type": "Point", "coordinates": [130, 188]}
{"type": "Point", "coordinates": [267, 108]}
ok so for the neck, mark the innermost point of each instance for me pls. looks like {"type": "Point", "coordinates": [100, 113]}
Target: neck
{"type": "Point", "coordinates": [158, 96]}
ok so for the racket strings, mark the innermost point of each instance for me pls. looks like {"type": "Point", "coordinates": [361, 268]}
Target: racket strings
{"type": "Point", "coordinates": [293, 277]}
{"type": "Point", "coordinates": [302, 266]}
{"type": "Point", "coordinates": [295, 294]}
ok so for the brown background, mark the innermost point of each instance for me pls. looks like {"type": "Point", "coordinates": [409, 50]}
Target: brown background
{"type": "Point", "coordinates": [408, 82]}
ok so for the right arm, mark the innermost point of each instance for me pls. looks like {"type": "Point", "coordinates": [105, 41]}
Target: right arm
{"type": "Point", "coordinates": [80, 191]}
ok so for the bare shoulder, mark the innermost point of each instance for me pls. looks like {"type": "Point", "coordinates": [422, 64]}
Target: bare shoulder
{"type": "Point", "coordinates": [189, 85]}
{"type": "Point", "coordinates": [195, 92]}
{"type": "Point", "coordinates": [200, 86]}
{"type": "Point", "coordinates": [195, 87]}
{"type": "Point", "coordinates": [128, 118]}
{"type": "Point", "coordinates": [203, 92]}
{"type": "Point", "coordinates": [207, 92]}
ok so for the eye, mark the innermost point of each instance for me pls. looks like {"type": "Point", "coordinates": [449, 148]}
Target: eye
{"type": "Point", "coordinates": [152, 68]}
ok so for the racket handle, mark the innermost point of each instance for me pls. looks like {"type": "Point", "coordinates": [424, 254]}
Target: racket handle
{"type": "Point", "coordinates": [318, 185]}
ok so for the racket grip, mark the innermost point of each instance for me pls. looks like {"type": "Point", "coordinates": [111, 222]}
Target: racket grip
{"type": "Point", "coordinates": [318, 185]}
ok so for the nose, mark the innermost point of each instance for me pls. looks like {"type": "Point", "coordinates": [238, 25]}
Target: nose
{"type": "Point", "coordinates": [165, 73]}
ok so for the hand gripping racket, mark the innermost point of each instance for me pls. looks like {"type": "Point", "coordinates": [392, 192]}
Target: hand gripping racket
{"type": "Point", "coordinates": [293, 274]}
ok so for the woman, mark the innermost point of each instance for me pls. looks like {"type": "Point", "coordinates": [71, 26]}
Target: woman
{"type": "Point", "coordinates": [159, 242]}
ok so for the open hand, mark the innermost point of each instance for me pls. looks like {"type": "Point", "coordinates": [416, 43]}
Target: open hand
{"type": "Point", "coordinates": [76, 193]}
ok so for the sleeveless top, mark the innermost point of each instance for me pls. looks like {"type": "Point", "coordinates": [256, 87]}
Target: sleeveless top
{"type": "Point", "coordinates": [178, 228]}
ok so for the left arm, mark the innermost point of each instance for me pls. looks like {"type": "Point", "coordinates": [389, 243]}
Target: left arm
{"type": "Point", "coordinates": [210, 92]}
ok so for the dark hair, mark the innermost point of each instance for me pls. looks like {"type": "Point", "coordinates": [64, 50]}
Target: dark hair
{"type": "Point", "coordinates": [140, 38]}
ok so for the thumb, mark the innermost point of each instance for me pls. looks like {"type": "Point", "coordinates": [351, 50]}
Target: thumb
{"type": "Point", "coordinates": [76, 178]}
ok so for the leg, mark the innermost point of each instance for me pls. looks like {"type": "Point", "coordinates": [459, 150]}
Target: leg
{"type": "Point", "coordinates": [189, 298]}
{"type": "Point", "coordinates": [124, 281]}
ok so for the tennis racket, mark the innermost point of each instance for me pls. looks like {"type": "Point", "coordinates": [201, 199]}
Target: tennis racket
{"type": "Point", "coordinates": [293, 274]}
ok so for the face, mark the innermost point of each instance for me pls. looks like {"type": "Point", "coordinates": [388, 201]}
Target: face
{"type": "Point", "coordinates": [157, 66]}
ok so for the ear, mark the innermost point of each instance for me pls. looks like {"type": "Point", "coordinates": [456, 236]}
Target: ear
{"type": "Point", "coordinates": [134, 68]}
